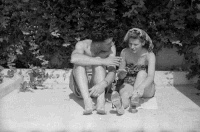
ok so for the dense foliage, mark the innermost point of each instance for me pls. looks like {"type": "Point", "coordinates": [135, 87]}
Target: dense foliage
{"type": "Point", "coordinates": [44, 32]}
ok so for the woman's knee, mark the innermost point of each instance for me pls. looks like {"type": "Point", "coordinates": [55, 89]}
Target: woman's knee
{"type": "Point", "coordinates": [142, 74]}
{"type": "Point", "coordinates": [149, 91]}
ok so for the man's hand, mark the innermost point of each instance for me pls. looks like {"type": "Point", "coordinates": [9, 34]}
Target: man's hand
{"type": "Point", "coordinates": [112, 61]}
{"type": "Point", "coordinates": [121, 73]}
{"type": "Point", "coordinates": [97, 89]}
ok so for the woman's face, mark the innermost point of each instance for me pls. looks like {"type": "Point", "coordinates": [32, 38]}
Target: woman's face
{"type": "Point", "coordinates": [135, 45]}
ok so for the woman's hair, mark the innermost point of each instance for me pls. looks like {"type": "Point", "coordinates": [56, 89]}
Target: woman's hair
{"type": "Point", "coordinates": [137, 33]}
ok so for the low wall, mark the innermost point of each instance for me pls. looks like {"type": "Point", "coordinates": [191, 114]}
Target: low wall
{"type": "Point", "coordinates": [60, 77]}
{"type": "Point", "coordinates": [169, 59]}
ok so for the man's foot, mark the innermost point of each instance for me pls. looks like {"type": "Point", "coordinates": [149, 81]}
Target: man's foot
{"type": "Point", "coordinates": [116, 101]}
{"type": "Point", "coordinates": [89, 107]}
{"type": "Point", "coordinates": [101, 106]}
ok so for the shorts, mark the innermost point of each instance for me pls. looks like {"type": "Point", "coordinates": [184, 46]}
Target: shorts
{"type": "Point", "coordinates": [73, 85]}
{"type": "Point", "coordinates": [75, 89]}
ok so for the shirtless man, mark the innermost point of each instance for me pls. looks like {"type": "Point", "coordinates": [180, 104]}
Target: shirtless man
{"type": "Point", "coordinates": [98, 53]}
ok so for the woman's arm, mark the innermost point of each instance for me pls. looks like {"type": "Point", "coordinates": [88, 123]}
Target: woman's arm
{"type": "Point", "coordinates": [151, 71]}
{"type": "Point", "coordinates": [123, 61]}
{"type": "Point", "coordinates": [121, 73]}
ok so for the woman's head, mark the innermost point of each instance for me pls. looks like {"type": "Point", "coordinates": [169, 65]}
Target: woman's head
{"type": "Point", "coordinates": [137, 38]}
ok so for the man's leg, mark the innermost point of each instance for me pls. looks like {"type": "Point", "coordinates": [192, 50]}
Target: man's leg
{"type": "Point", "coordinates": [81, 79]}
{"type": "Point", "coordinates": [99, 74]}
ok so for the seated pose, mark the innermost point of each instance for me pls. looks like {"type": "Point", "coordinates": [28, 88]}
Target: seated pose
{"type": "Point", "coordinates": [99, 54]}
{"type": "Point", "coordinates": [136, 71]}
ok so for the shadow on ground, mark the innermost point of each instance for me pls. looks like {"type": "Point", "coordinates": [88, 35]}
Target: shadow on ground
{"type": "Point", "coordinates": [76, 99]}
{"type": "Point", "coordinates": [191, 92]}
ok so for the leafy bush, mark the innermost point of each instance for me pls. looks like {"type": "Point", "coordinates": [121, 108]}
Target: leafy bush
{"type": "Point", "coordinates": [47, 30]}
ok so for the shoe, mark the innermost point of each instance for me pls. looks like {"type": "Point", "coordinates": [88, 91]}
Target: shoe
{"type": "Point", "coordinates": [116, 102]}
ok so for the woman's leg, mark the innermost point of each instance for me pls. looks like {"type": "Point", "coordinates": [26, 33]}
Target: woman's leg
{"type": "Point", "coordinates": [149, 91]}
{"type": "Point", "coordinates": [81, 79]}
{"type": "Point", "coordinates": [125, 92]}
{"type": "Point", "coordinates": [99, 74]}
{"type": "Point", "coordinates": [146, 92]}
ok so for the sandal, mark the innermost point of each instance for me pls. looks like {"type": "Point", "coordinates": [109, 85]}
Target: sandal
{"type": "Point", "coordinates": [116, 102]}
{"type": "Point", "coordinates": [135, 99]}
{"type": "Point", "coordinates": [134, 103]}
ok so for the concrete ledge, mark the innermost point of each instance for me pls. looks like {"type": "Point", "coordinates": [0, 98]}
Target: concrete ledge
{"type": "Point", "coordinates": [162, 78]}
{"type": "Point", "coordinates": [173, 78]}
{"type": "Point", "coordinates": [10, 84]}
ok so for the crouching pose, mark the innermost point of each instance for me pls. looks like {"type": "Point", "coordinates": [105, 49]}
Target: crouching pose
{"type": "Point", "coordinates": [99, 53]}
{"type": "Point", "coordinates": [136, 71]}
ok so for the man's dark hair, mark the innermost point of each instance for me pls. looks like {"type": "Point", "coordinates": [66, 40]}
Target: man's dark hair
{"type": "Point", "coordinates": [101, 35]}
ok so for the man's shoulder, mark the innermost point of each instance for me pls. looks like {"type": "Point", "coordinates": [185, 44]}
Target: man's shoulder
{"type": "Point", "coordinates": [83, 43]}
{"type": "Point", "coordinates": [125, 50]}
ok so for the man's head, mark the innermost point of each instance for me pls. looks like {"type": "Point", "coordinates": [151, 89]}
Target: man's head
{"type": "Point", "coordinates": [102, 40]}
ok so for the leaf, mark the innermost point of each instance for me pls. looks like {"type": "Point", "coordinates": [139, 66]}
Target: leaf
{"type": "Point", "coordinates": [198, 6]}
{"type": "Point", "coordinates": [198, 16]}
{"type": "Point", "coordinates": [4, 21]}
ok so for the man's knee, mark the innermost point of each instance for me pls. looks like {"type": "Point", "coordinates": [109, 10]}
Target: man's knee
{"type": "Point", "coordinates": [98, 74]}
{"type": "Point", "coordinates": [99, 71]}
{"type": "Point", "coordinates": [79, 70]}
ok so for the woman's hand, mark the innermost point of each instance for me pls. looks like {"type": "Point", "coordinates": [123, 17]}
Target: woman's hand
{"type": "Point", "coordinates": [121, 73]}
{"type": "Point", "coordinates": [138, 91]}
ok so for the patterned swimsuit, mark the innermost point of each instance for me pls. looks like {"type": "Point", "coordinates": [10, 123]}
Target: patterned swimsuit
{"type": "Point", "coordinates": [132, 71]}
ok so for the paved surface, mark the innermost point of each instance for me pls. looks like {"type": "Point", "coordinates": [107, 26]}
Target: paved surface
{"type": "Point", "coordinates": [56, 109]}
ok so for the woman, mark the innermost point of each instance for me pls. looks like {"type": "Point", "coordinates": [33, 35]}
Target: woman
{"type": "Point", "coordinates": [136, 71]}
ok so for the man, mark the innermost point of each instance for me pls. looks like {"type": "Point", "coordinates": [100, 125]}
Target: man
{"type": "Point", "coordinates": [99, 54]}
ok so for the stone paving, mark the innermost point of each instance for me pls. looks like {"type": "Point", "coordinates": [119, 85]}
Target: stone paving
{"type": "Point", "coordinates": [56, 109]}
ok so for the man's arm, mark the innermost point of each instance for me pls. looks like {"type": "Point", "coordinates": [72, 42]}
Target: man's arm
{"type": "Point", "coordinates": [78, 57]}
{"type": "Point", "coordinates": [111, 70]}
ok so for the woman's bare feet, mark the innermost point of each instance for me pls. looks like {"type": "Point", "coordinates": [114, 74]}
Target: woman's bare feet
{"type": "Point", "coordinates": [89, 107]}
{"type": "Point", "coordinates": [116, 101]}
{"type": "Point", "coordinates": [101, 105]}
